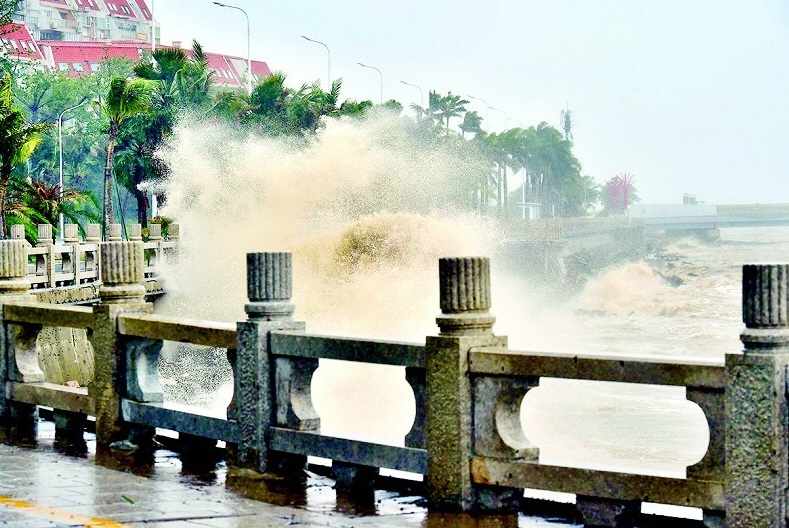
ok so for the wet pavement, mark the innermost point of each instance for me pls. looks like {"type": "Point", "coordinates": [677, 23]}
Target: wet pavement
{"type": "Point", "coordinates": [42, 487]}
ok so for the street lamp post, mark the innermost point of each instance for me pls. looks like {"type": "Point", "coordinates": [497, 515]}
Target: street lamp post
{"type": "Point", "coordinates": [421, 93]}
{"type": "Point", "coordinates": [328, 79]}
{"type": "Point", "coordinates": [379, 73]}
{"type": "Point", "coordinates": [487, 117]}
{"type": "Point", "coordinates": [249, 53]}
{"type": "Point", "coordinates": [60, 150]}
{"type": "Point", "coordinates": [505, 116]}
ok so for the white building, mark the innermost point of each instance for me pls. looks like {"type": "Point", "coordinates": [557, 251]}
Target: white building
{"type": "Point", "coordinates": [87, 20]}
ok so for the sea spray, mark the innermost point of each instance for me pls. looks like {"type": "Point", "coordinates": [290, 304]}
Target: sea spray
{"type": "Point", "coordinates": [366, 206]}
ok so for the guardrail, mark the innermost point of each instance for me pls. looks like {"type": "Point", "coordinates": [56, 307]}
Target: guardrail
{"type": "Point", "coordinates": [551, 229]}
{"type": "Point", "coordinates": [467, 437]}
{"type": "Point", "coordinates": [76, 262]}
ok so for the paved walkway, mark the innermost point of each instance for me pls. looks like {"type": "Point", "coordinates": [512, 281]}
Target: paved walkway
{"type": "Point", "coordinates": [44, 488]}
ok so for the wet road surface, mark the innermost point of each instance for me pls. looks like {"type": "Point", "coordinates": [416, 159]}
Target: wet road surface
{"type": "Point", "coordinates": [41, 487]}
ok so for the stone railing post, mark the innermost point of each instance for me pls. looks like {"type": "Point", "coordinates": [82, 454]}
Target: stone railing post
{"type": "Point", "coordinates": [757, 414]}
{"type": "Point", "coordinates": [173, 232]}
{"type": "Point", "coordinates": [70, 262]}
{"type": "Point", "coordinates": [18, 358]}
{"type": "Point", "coordinates": [257, 394]}
{"type": "Point", "coordinates": [17, 232]}
{"type": "Point", "coordinates": [135, 232]}
{"type": "Point", "coordinates": [71, 234]}
{"type": "Point", "coordinates": [464, 323]}
{"type": "Point", "coordinates": [92, 236]}
{"type": "Point", "coordinates": [45, 264]}
{"type": "Point", "coordinates": [114, 233]}
{"type": "Point", "coordinates": [121, 291]}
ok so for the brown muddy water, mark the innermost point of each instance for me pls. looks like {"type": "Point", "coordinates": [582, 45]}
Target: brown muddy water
{"type": "Point", "coordinates": [629, 310]}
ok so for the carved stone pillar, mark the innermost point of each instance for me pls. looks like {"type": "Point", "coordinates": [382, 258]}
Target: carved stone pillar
{"type": "Point", "coordinates": [93, 234]}
{"type": "Point", "coordinates": [18, 358]}
{"type": "Point", "coordinates": [269, 287]}
{"type": "Point", "coordinates": [135, 232]}
{"type": "Point", "coordinates": [464, 323]}
{"type": "Point", "coordinates": [114, 233]}
{"type": "Point", "coordinates": [71, 234]}
{"type": "Point", "coordinates": [121, 291]}
{"type": "Point", "coordinates": [173, 232]}
{"type": "Point", "coordinates": [757, 432]}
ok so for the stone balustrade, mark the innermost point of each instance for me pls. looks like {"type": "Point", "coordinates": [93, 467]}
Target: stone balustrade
{"type": "Point", "coordinates": [76, 262]}
{"type": "Point", "coordinates": [467, 437]}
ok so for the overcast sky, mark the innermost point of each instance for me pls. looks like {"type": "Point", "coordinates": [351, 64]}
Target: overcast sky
{"type": "Point", "coordinates": [690, 96]}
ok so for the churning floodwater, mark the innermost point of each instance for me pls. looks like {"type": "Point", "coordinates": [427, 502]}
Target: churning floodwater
{"type": "Point", "coordinates": [367, 207]}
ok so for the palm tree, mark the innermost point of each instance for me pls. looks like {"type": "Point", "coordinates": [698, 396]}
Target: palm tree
{"type": "Point", "coordinates": [124, 100]}
{"type": "Point", "coordinates": [39, 202]}
{"type": "Point", "coordinates": [18, 141]}
{"type": "Point", "coordinates": [472, 123]}
{"type": "Point", "coordinates": [446, 106]}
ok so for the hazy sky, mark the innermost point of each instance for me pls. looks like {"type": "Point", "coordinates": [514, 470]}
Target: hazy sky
{"type": "Point", "coordinates": [690, 96]}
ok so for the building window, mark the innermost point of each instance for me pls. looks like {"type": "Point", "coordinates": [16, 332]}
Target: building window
{"type": "Point", "coordinates": [95, 66]}
{"type": "Point", "coordinates": [78, 67]}
{"type": "Point", "coordinates": [63, 66]}
{"type": "Point", "coordinates": [112, 6]}
{"type": "Point", "coordinates": [125, 9]}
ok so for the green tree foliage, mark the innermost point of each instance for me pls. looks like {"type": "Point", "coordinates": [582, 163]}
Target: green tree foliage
{"type": "Point", "coordinates": [18, 141]}
{"type": "Point", "coordinates": [34, 202]}
{"type": "Point", "coordinates": [125, 99]}
{"type": "Point", "coordinates": [445, 107]}
{"type": "Point", "coordinates": [179, 81]}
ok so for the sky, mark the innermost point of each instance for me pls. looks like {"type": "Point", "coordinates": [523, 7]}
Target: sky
{"type": "Point", "coordinates": [689, 96]}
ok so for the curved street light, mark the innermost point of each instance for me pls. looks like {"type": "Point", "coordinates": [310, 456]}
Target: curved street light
{"type": "Point", "coordinates": [249, 54]}
{"type": "Point", "coordinates": [487, 117]}
{"type": "Point", "coordinates": [379, 73]}
{"type": "Point", "coordinates": [421, 93]}
{"type": "Point", "coordinates": [60, 150]}
{"type": "Point", "coordinates": [516, 120]}
{"type": "Point", "coordinates": [328, 79]}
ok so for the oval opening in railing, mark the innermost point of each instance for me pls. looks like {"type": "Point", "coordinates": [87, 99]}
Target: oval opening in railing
{"type": "Point", "coordinates": [363, 401]}
{"type": "Point", "coordinates": [612, 426]}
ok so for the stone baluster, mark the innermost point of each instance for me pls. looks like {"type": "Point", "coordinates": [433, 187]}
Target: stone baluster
{"type": "Point", "coordinates": [155, 237]}
{"type": "Point", "coordinates": [70, 261]}
{"type": "Point", "coordinates": [154, 232]}
{"type": "Point", "coordinates": [121, 292]}
{"type": "Point", "coordinates": [135, 232]}
{"type": "Point", "coordinates": [465, 323]}
{"type": "Point", "coordinates": [44, 235]}
{"type": "Point", "coordinates": [17, 232]}
{"type": "Point", "coordinates": [18, 358]}
{"type": "Point", "coordinates": [45, 263]}
{"type": "Point", "coordinates": [71, 234]}
{"type": "Point", "coordinates": [92, 236]}
{"type": "Point", "coordinates": [757, 432]}
{"type": "Point", "coordinates": [114, 233]}
{"type": "Point", "coordinates": [268, 394]}
{"type": "Point", "coordinates": [173, 232]}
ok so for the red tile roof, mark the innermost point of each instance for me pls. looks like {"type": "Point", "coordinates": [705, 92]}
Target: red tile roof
{"type": "Point", "coordinates": [120, 8]}
{"type": "Point", "coordinates": [146, 13]}
{"type": "Point", "coordinates": [87, 4]}
{"type": "Point", "coordinates": [18, 42]}
{"type": "Point", "coordinates": [78, 58]}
